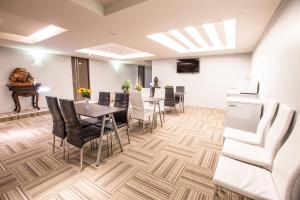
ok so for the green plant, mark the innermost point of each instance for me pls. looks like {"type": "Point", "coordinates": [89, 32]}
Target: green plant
{"type": "Point", "coordinates": [126, 86]}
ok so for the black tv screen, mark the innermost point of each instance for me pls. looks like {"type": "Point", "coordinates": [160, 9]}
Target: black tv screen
{"type": "Point", "coordinates": [188, 66]}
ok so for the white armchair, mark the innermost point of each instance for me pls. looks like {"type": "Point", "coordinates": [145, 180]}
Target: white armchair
{"type": "Point", "coordinates": [262, 127]}
{"type": "Point", "coordinates": [262, 156]}
{"type": "Point", "coordinates": [282, 182]}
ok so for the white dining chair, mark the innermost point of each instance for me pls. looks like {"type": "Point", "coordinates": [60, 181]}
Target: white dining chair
{"type": "Point", "coordinates": [138, 110]}
{"type": "Point", "coordinates": [262, 128]}
{"type": "Point", "coordinates": [281, 182]}
{"type": "Point", "coordinates": [262, 156]}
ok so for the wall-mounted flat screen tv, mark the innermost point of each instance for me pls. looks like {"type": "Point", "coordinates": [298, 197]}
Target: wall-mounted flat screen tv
{"type": "Point", "coordinates": [188, 66]}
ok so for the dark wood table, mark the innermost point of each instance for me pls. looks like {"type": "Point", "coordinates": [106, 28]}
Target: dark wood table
{"type": "Point", "coordinates": [155, 102]}
{"type": "Point", "coordinates": [25, 91]}
{"type": "Point", "coordinates": [181, 97]}
{"type": "Point", "coordinates": [99, 111]}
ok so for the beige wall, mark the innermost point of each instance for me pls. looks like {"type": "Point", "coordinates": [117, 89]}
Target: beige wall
{"type": "Point", "coordinates": [207, 88]}
{"type": "Point", "coordinates": [54, 72]}
{"type": "Point", "coordinates": [276, 60]}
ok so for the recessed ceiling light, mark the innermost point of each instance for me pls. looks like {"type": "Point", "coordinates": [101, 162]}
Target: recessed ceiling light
{"type": "Point", "coordinates": [179, 36]}
{"type": "Point", "coordinates": [229, 28]}
{"type": "Point", "coordinates": [45, 33]}
{"type": "Point", "coordinates": [196, 36]}
{"type": "Point", "coordinates": [168, 42]}
{"type": "Point", "coordinates": [116, 52]}
{"type": "Point", "coordinates": [211, 31]}
{"type": "Point", "coordinates": [183, 44]}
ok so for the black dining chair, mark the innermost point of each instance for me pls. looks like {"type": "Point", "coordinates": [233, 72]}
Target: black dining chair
{"type": "Point", "coordinates": [77, 135]}
{"type": "Point", "coordinates": [104, 98]}
{"type": "Point", "coordinates": [121, 118]}
{"type": "Point", "coordinates": [59, 126]}
{"type": "Point", "coordinates": [170, 100]}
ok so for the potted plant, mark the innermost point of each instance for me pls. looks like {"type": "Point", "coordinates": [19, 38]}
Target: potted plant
{"type": "Point", "coordinates": [85, 93]}
{"type": "Point", "coordinates": [126, 86]}
{"type": "Point", "coordinates": [138, 87]}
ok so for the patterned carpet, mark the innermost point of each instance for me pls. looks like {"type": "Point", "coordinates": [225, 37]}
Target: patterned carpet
{"type": "Point", "coordinates": [177, 161]}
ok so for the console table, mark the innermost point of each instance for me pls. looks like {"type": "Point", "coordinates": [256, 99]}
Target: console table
{"type": "Point", "coordinates": [25, 91]}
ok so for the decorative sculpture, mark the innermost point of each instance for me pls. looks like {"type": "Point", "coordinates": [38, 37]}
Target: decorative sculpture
{"type": "Point", "coordinates": [21, 77]}
{"type": "Point", "coordinates": [23, 84]}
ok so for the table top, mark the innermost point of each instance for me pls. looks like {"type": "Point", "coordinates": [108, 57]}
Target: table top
{"type": "Point", "coordinates": [95, 110]}
{"type": "Point", "coordinates": [152, 99]}
{"type": "Point", "coordinates": [180, 93]}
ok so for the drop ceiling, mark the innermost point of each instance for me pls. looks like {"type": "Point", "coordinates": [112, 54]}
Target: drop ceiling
{"type": "Point", "coordinates": [130, 23]}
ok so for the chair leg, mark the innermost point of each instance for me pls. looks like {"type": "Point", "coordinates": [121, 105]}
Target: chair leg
{"type": "Point", "coordinates": [81, 159]}
{"type": "Point", "coordinates": [107, 145]}
{"type": "Point", "coordinates": [143, 125]}
{"type": "Point", "coordinates": [53, 147]}
{"type": "Point", "coordinates": [68, 149]}
{"type": "Point", "coordinates": [127, 130]}
{"type": "Point", "coordinates": [64, 149]}
{"type": "Point", "coordinates": [164, 116]}
{"type": "Point", "coordinates": [111, 144]}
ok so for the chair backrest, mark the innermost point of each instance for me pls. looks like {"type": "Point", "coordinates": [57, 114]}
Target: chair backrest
{"type": "Point", "coordinates": [179, 88]}
{"type": "Point", "coordinates": [169, 96]}
{"type": "Point", "coordinates": [72, 122]}
{"type": "Point", "coordinates": [104, 98]}
{"type": "Point", "coordinates": [266, 120]}
{"type": "Point", "coordinates": [121, 101]}
{"type": "Point", "coordinates": [160, 93]}
{"type": "Point", "coordinates": [137, 104]}
{"type": "Point", "coordinates": [286, 167]}
{"type": "Point", "coordinates": [277, 132]}
{"type": "Point", "coordinates": [59, 126]}
{"type": "Point", "coordinates": [146, 92]}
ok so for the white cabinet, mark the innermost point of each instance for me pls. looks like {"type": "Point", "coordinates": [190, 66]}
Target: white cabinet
{"type": "Point", "coordinates": [243, 113]}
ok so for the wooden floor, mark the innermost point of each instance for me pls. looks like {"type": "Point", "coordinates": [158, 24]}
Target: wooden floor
{"type": "Point", "coordinates": [177, 161]}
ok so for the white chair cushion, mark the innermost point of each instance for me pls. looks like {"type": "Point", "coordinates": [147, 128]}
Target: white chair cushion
{"type": "Point", "coordinates": [263, 125]}
{"type": "Point", "coordinates": [242, 136]}
{"type": "Point", "coordinates": [248, 180]}
{"type": "Point", "coordinates": [255, 155]}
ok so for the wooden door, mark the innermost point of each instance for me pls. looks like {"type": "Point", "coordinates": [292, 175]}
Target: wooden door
{"type": "Point", "coordinates": [80, 74]}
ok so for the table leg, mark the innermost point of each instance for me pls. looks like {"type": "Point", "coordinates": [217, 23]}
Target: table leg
{"type": "Point", "coordinates": [182, 103]}
{"type": "Point", "coordinates": [161, 122]}
{"type": "Point", "coordinates": [14, 96]}
{"type": "Point", "coordinates": [33, 101]}
{"type": "Point", "coordinates": [153, 120]}
{"type": "Point", "coordinates": [37, 101]}
{"type": "Point", "coordinates": [100, 141]}
{"type": "Point", "coordinates": [116, 130]}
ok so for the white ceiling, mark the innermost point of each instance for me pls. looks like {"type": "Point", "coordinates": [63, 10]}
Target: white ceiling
{"type": "Point", "coordinates": [130, 25]}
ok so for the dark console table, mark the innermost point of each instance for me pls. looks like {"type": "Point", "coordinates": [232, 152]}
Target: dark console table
{"type": "Point", "coordinates": [25, 91]}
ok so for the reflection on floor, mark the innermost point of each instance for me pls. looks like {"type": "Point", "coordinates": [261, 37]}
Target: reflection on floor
{"type": "Point", "coordinates": [177, 161]}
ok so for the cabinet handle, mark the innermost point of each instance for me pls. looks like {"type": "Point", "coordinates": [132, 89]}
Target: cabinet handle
{"type": "Point", "coordinates": [232, 105]}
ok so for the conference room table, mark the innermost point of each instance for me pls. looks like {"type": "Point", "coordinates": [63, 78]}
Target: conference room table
{"type": "Point", "coordinates": [155, 101]}
{"type": "Point", "coordinates": [181, 99]}
{"type": "Point", "coordinates": [99, 111]}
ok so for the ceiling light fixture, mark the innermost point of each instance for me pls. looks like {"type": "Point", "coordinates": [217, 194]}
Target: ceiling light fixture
{"type": "Point", "coordinates": [168, 42]}
{"type": "Point", "coordinates": [45, 33]}
{"type": "Point", "coordinates": [179, 36]}
{"type": "Point", "coordinates": [229, 28]}
{"type": "Point", "coordinates": [115, 56]}
{"type": "Point", "coordinates": [196, 36]}
{"type": "Point", "coordinates": [211, 31]}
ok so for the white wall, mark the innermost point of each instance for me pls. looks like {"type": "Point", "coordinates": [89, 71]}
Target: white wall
{"type": "Point", "coordinates": [276, 60]}
{"type": "Point", "coordinates": [107, 76]}
{"type": "Point", "coordinates": [207, 88]}
{"type": "Point", "coordinates": [53, 71]}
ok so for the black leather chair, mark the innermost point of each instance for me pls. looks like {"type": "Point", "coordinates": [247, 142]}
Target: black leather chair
{"type": "Point", "coordinates": [170, 100]}
{"type": "Point", "coordinates": [121, 118]}
{"type": "Point", "coordinates": [104, 98]}
{"type": "Point", "coordinates": [77, 135]}
{"type": "Point", "coordinates": [59, 126]}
